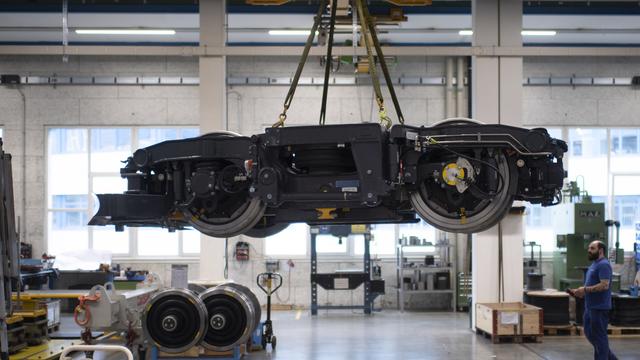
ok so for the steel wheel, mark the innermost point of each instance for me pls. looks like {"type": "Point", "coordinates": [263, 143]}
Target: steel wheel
{"type": "Point", "coordinates": [459, 209]}
{"type": "Point", "coordinates": [243, 219]}
{"type": "Point", "coordinates": [266, 227]}
{"type": "Point", "coordinates": [173, 320]}
{"type": "Point", "coordinates": [232, 315]}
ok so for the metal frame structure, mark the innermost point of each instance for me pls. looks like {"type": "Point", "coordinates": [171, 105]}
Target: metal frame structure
{"type": "Point", "coordinates": [9, 259]}
{"type": "Point", "coordinates": [335, 281]}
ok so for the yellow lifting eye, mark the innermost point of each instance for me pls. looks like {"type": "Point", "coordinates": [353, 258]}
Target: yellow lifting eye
{"type": "Point", "coordinates": [452, 174]}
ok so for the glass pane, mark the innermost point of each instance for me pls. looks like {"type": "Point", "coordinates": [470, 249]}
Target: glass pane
{"type": "Point", "coordinates": [150, 136]}
{"type": "Point", "coordinates": [109, 147]}
{"type": "Point", "coordinates": [626, 208]}
{"type": "Point", "coordinates": [157, 242]}
{"type": "Point", "coordinates": [555, 132]}
{"type": "Point", "coordinates": [331, 244]}
{"type": "Point", "coordinates": [625, 147]}
{"type": "Point", "coordinates": [383, 241]}
{"type": "Point", "coordinates": [190, 242]}
{"type": "Point", "coordinates": [69, 201]}
{"type": "Point", "coordinates": [539, 228]}
{"type": "Point", "coordinates": [105, 238]}
{"type": "Point", "coordinates": [67, 163]}
{"type": "Point", "coordinates": [189, 132]}
{"type": "Point", "coordinates": [109, 185]}
{"type": "Point", "coordinates": [588, 159]}
{"type": "Point", "coordinates": [67, 231]}
{"type": "Point", "coordinates": [291, 241]}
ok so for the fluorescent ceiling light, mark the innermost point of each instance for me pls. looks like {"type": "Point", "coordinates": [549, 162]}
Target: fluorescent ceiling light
{"type": "Point", "coordinates": [538, 33]}
{"type": "Point", "coordinates": [290, 32]}
{"type": "Point", "coordinates": [125, 32]}
{"type": "Point", "coordinates": [524, 32]}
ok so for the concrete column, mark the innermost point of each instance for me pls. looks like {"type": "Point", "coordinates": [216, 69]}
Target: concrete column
{"type": "Point", "coordinates": [213, 114]}
{"type": "Point", "coordinates": [497, 98]}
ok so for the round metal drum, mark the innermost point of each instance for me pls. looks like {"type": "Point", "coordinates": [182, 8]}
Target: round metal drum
{"type": "Point", "coordinates": [233, 313]}
{"type": "Point", "coordinates": [174, 320]}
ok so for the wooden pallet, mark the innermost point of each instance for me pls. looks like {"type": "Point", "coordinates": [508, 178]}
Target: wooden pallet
{"type": "Point", "coordinates": [499, 339]}
{"type": "Point", "coordinates": [560, 330]}
{"type": "Point", "coordinates": [616, 330]}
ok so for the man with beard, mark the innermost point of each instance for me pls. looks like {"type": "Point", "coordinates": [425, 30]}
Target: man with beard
{"type": "Point", "coordinates": [597, 300]}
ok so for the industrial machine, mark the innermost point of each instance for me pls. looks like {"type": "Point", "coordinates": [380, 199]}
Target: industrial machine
{"type": "Point", "coordinates": [459, 175]}
{"type": "Point", "coordinates": [106, 309]}
{"type": "Point", "coordinates": [532, 267]}
{"type": "Point", "coordinates": [577, 224]}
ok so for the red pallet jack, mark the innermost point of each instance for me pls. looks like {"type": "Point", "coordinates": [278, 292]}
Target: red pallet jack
{"type": "Point", "coordinates": [267, 328]}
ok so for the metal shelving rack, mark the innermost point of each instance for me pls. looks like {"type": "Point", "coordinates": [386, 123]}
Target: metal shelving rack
{"type": "Point", "coordinates": [401, 269]}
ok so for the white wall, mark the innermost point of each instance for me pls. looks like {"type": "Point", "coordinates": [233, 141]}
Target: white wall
{"type": "Point", "coordinates": [81, 106]}
{"type": "Point", "coordinates": [251, 108]}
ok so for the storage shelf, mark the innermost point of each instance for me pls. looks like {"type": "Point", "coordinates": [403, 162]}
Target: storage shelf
{"type": "Point", "coordinates": [402, 259]}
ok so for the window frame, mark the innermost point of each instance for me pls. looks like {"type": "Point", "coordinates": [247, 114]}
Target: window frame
{"type": "Point", "coordinates": [132, 253]}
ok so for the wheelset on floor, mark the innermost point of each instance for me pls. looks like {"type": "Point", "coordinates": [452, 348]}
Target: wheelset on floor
{"type": "Point", "coordinates": [218, 318]}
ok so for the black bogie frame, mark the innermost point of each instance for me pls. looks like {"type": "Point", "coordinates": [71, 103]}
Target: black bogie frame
{"type": "Point", "coordinates": [224, 184]}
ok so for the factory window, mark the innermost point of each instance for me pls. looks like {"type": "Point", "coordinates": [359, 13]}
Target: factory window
{"type": "Point", "coordinates": [624, 141]}
{"type": "Point", "coordinates": [383, 241]}
{"type": "Point", "coordinates": [588, 164]}
{"type": "Point", "coordinates": [599, 161]}
{"type": "Point", "coordinates": [291, 241]}
{"type": "Point", "coordinates": [90, 159]}
{"type": "Point", "coordinates": [626, 207]}
{"type": "Point", "coordinates": [327, 244]}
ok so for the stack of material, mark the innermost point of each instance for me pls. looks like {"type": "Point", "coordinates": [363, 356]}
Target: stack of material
{"type": "Point", "coordinates": [16, 334]}
{"type": "Point", "coordinates": [555, 305]}
{"type": "Point", "coordinates": [626, 310]}
{"type": "Point", "coordinates": [35, 325]}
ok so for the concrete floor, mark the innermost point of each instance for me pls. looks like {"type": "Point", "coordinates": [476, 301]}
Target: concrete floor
{"type": "Point", "coordinates": [411, 335]}
{"type": "Point", "coordinates": [393, 335]}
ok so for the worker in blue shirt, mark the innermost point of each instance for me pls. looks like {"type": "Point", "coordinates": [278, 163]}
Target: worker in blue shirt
{"type": "Point", "coordinates": [597, 300]}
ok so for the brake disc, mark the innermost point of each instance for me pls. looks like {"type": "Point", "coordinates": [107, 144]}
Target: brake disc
{"type": "Point", "coordinates": [441, 207]}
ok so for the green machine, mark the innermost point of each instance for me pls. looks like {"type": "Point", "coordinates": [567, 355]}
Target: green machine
{"type": "Point", "coordinates": [577, 225]}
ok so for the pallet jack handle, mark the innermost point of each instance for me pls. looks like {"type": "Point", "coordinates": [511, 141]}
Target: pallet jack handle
{"type": "Point", "coordinates": [270, 276]}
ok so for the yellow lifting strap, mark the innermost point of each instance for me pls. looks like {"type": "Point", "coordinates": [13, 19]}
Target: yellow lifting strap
{"type": "Point", "coordinates": [294, 82]}
{"type": "Point", "coordinates": [368, 32]}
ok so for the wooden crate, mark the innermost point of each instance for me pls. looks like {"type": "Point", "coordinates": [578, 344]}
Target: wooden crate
{"type": "Point", "coordinates": [503, 320]}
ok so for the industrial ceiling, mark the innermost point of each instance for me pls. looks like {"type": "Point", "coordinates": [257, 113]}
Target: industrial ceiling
{"type": "Point", "coordinates": [443, 23]}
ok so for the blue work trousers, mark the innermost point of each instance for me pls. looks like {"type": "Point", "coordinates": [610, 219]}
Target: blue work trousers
{"type": "Point", "coordinates": [595, 329]}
